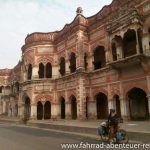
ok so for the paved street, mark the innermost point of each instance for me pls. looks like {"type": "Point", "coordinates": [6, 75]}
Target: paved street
{"type": "Point", "coordinates": [22, 138]}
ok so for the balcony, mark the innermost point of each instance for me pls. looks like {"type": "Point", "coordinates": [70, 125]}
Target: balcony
{"type": "Point", "coordinates": [129, 61]}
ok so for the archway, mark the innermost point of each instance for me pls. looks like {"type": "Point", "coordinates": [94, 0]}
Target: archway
{"type": "Point", "coordinates": [129, 43]}
{"type": "Point", "coordinates": [117, 105]}
{"type": "Point", "coordinates": [73, 107]}
{"type": "Point", "coordinates": [47, 110]}
{"type": "Point", "coordinates": [72, 63]}
{"type": "Point", "coordinates": [62, 108]}
{"type": "Point", "coordinates": [27, 109]}
{"type": "Point", "coordinates": [62, 66]}
{"type": "Point", "coordinates": [48, 70]}
{"type": "Point", "coordinates": [102, 106]}
{"type": "Point", "coordinates": [41, 70]}
{"type": "Point", "coordinates": [99, 58]}
{"type": "Point", "coordinates": [138, 104]}
{"type": "Point", "coordinates": [39, 111]}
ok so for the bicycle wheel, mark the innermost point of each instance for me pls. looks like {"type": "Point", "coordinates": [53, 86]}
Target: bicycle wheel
{"type": "Point", "coordinates": [104, 138]}
{"type": "Point", "coordinates": [122, 137]}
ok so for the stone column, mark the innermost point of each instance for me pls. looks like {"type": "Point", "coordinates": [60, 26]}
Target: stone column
{"type": "Point", "coordinates": [55, 71]}
{"type": "Point", "coordinates": [92, 111]}
{"type": "Point", "coordinates": [21, 110]}
{"type": "Point", "coordinates": [124, 108]}
{"type": "Point", "coordinates": [90, 62]}
{"type": "Point", "coordinates": [33, 111]}
{"type": "Point", "coordinates": [81, 97]}
{"type": "Point", "coordinates": [137, 43]}
{"type": "Point", "coordinates": [68, 110]}
{"type": "Point", "coordinates": [35, 74]}
{"type": "Point", "coordinates": [55, 111]}
{"type": "Point", "coordinates": [111, 104]}
{"type": "Point", "coordinates": [67, 67]}
{"type": "Point", "coordinates": [145, 42]}
{"type": "Point", "coordinates": [80, 51]}
{"type": "Point", "coordinates": [148, 97]}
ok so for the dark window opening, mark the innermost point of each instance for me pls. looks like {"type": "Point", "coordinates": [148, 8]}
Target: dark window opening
{"type": "Point", "coordinates": [62, 66]}
{"type": "Point", "coordinates": [29, 72]}
{"type": "Point", "coordinates": [48, 70]}
{"type": "Point", "coordinates": [41, 70]}
{"type": "Point", "coordinates": [114, 52]}
{"type": "Point", "coordinates": [129, 43]}
{"type": "Point", "coordinates": [99, 58]}
{"type": "Point", "coordinates": [72, 63]}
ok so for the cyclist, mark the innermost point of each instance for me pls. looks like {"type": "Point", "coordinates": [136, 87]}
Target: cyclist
{"type": "Point", "coordinates": [113, 124]}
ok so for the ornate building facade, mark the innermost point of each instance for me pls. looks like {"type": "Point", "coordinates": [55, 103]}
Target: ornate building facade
{"type": "Point", "coordinates": [92, 65]}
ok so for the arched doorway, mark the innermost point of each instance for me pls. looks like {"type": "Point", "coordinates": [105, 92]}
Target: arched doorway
{"type": "Point", "coordinates": [47, 110]}
{"type": "Point", "coordinates": [117, 105]}
{"type": "Point", "coordinates": [102, 106]}
{"type": "Point", "coordinates": [27, 109]}
{"type": "Point", "coordinates": [73, 107]}
{"type": "Point", "coordinates": [62, 108]}
{"type": "Point", "coordinates": [39, 111]}
{"type": "Point", "coordinates": [138, 104]}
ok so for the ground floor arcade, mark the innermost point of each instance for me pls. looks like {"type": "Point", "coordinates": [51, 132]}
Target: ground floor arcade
{"type": "Point", "coordinates": [134, 106]}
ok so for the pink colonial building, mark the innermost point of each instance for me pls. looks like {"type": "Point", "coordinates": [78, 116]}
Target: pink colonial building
{"type": "Point", "coordinates": [92, 65]}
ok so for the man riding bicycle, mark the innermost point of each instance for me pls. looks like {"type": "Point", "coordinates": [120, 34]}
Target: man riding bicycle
{"type": "Point", "coordinates": [113, 124]}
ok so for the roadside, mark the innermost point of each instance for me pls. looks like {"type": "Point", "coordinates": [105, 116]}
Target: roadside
{"type": "Point", "coordinates": [139, 132]}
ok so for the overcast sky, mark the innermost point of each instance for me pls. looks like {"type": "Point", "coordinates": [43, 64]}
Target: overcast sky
{"type": "Point", "coordinates": [20, 17]}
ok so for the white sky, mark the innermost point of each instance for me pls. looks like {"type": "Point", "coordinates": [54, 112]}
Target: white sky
{"type": "Point", "coordinates": [20, 17]}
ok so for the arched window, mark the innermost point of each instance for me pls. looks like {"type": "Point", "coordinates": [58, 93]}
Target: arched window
{"type": "Point", "coordinates": [129, 43]}
{"type": "Point", "coordinates": [41, 70]}
{"type": "Point", "coordinates": [62, 66]}
{"type": "Point", "coordinates": [99, 58]}
{"type": "Point", "coordinates": [29, 72]}
{"type": "Point", "coordinates": [48, 70]}
{"type": "Point", "coordinates": [114, 51]}
{"type": "Point", "coordinates": [72, 62]}
{"type": "Point", "coordinates": [85, 61]}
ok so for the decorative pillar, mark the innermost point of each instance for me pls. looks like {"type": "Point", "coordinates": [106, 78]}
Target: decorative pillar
{"type": "Point", "coordinates": [145, 42]}
{"type": "Point", "coordinates": [124, 109]}
{"type": "Point", "coordinates": [33, 111]}
{"type": "Point", "coordinates": [92, 112]}
{"type": "Point", "coordinates": [137, 43]}
{"type": "Point", "coordinates": [90, 62]}
{"type": "Point", "coordinates": [68, 110]}
{"type": "Point", "coordinates": [35, 72]}
{"type": "Point", "coordinates": [55, 111]}
{"type": "Point", "coordinates": [67, 67]}
{"type": "Point", "coordinates": [80, 51]}
{"type": "Point", "coordinates": [55, 71]}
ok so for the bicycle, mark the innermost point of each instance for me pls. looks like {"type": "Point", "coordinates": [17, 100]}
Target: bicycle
{"type": "Point", "coordinates": [121, 136]}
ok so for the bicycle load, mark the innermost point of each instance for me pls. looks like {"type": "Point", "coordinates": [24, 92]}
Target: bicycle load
{"type": "Point", "coordinates": [109, 131]}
